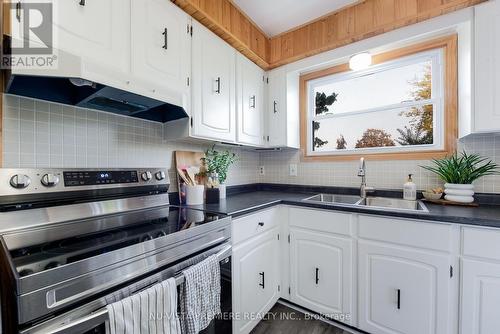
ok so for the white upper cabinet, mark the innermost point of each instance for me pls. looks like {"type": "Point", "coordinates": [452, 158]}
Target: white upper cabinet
{"type": "Point", "coordinates": [213, 86]}
{"type": "Point", "coordinates": [487, 67]}
{"type": "Point", "coordinates": [250, 102]}
{"type": "Point", "coordinates": [276, 108]}
{"type": "Point", "coordinates": [96, 30]}
{"type": "Point", "coordinates": [161, 49]}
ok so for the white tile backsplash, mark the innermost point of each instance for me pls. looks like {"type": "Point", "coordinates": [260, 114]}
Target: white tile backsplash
{"type": "Point", "coordinates": [380, 174]}
{"type": "Point", "coordinates": [42, 134]}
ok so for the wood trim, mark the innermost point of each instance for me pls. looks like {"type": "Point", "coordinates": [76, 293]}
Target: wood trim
{"type": "Point", "coordinates": [450, 46]}
{"type": "Point", "coordinates": [228, 22]}
{"type": "Point", "coordinates": [361, 21]}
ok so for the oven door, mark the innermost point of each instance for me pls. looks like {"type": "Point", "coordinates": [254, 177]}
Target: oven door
{"type": "Point", "coordinates": [223, 323]}
{"type": "Point", "coordinates": [92, 317]}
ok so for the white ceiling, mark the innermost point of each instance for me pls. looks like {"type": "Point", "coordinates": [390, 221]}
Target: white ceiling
{"type": "Point", "coordinates": [277, 16]}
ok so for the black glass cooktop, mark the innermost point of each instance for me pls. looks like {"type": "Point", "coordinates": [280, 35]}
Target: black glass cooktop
{"type": "Point", "coordinates": [105, 235]}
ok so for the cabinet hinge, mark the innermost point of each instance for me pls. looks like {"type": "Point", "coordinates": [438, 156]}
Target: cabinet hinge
{"type": "Point", "coordinates": [191, 121]}
{"type": "Point", "coordinates": [191, 30]}
{"type": "Point", "coordinates": [278, 236]}
{"type": "Point", "coordinates": [188, 81]}
{"type": "Point", "coordinates": [188, 28]}
{"type": "Point", "coordinates": [279, 288]}
{"type": "Point", "coordinates": [289, 290]}
{"type": "Point", "coordinates": [289, 238]}
{"type": "Point", "coordinates": [451, 271]}
{"type": "Point", "coordinates": [267, 80]}
{"type": "Point", "coordinates": [267, 138]}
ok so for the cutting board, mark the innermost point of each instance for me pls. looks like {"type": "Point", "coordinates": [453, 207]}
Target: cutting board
{"type": "Point", "coordinates": [185, 159]}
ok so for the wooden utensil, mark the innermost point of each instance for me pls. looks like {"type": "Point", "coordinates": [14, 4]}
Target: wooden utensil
{"type": "Point", "coordinates": [182, 175]}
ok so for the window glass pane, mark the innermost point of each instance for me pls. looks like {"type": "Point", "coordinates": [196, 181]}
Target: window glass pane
{"type": "Point", "coordinates": [394, 127]}
{"type": "Point", "coordinates": [392, 86]}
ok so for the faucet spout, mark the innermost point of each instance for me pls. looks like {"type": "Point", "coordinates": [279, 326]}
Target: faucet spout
{"type": "Point", "coordinates": [363, 189]}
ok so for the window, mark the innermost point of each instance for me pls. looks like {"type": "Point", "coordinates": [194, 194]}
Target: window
{"type": "Point", "coordinates": [402, 105]}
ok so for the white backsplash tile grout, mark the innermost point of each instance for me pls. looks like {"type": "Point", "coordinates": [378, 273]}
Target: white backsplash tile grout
{"type": "Point", "coordinates": [42, 134]}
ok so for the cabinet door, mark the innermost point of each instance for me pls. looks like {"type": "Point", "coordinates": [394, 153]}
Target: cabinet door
{"type": "Point", "coordinates": [214, 115]}
{"type": "Point", "coordinates": [161, 49]}
{"type": "Point", "coordinates": [480, 295]}
{"type": "Point", "coordinates": [250, 87]}
{"type": "Point", "coordinates": [255, 279]}
{"type": "Point", "coordinates": [276, 108]}
{"type": "Point", "coordinates": [487, 67]}
{"type": "Point", "coordinates": [403, 291]}
{"type": "Point", "coordinates": [98, 31]}
{"type": "Point", "coordinates": [321, 273]}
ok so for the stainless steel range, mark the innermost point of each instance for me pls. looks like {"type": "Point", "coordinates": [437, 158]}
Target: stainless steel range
{"type": "Point", "coordinates": [73, 240]}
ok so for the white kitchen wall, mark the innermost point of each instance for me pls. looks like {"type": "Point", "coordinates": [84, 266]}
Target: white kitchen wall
{"type": "Point", "coordinates": [42, 134]}
{"type": "Point", "coordinates": [380, 174]}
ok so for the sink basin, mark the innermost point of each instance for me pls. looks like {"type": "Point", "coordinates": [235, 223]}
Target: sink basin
{"type": "Point", "coordinates": [393, 204]}
{"type": "Point", "coordinates": [334, 199]}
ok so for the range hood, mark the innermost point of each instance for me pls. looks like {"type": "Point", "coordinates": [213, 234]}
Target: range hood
{"type": "Point", "coordinates": [89, 85]}
{"type": "Point", "coordinates": [87, 94]}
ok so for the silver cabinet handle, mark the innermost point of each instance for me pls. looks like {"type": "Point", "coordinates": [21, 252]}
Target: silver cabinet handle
{"type": "Point", "coordinates": [252, 101]}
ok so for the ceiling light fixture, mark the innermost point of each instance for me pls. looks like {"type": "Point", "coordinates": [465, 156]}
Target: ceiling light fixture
{"type": "Point", "coordinates": [360, 61]}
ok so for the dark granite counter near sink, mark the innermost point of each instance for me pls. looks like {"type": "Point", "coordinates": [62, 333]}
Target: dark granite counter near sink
{"type": "Point", "coordinates": [248, 199]}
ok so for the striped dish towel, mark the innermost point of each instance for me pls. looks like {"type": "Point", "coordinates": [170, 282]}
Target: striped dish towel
{"type": "Point", "coordinates": [152, 311]}
{"type": "Point", "coordinates": [200, 295]}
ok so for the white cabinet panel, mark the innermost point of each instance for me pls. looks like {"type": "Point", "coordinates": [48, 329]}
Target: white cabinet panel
{"type": "Point", "coordinates": [214, 112]}
{"type": "Point", "coordinates": [256, 278]}
{"type": "Point", "coordinates": [250, 100]}
{"type": "Point", "coordinates": [161, 48]}
{"type": "Point", "coordinates": [321, 273]}
{"type": "Point", "coordinates": [403, 291]}
{"type": "Point", "coordinates": [98, 31]}
{"type": "Point", "coordinates": [276, 108]}
{"type": "Point", "coordinates": [480, 297]}
{"type": "Point", "coordinates": [487, 67]}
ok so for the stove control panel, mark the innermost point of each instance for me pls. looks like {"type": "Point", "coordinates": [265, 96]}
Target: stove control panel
{"type": "Point", "coordinates": [33, 181]}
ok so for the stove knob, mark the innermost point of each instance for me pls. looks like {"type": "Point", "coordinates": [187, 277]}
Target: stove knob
{"type": "Point", "coordinates": [20, 181]}
{"type": "Point", "coordinates": [160, 175]}
{"type": "Point", "coordinates": [146, 176]}
{"type": "Point", "coordinates": [50, 180]}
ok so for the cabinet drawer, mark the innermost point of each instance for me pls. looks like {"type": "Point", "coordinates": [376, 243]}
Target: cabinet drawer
{"type": "Point", "coordinates": [435, 236]}
{"type": "Point", "coordinates": [480, 242]}
{"type": "Point", "coordinates": [249, 226]}
{"type": "Point", "coordinates": [321, 220]}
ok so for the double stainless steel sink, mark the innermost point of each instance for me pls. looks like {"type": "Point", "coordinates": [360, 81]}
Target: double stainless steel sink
{"type": "Point", "coordinates": [376, 203]}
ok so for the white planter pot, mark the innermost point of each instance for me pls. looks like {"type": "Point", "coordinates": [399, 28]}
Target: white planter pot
{"type": "Point", "coordinates": [463, 193]}
{"type": "Point", "coordinates": [222, 191]}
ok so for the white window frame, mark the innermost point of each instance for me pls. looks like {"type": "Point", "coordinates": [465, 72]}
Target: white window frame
{"type": "Point", "coordinates": [436, 56]}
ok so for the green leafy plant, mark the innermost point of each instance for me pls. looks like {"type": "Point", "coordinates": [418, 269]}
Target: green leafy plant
{"type": "Point", "coordinates": [219, 162]}
{"type": "Point", "coordinates": [463, 168]}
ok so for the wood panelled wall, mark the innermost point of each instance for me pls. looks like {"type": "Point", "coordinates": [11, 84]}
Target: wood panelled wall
{"type": "Point", "coordinates": [365, 19]}
{"type": "Point", "coordinates": [232, 25]}
{"type": "Point", "coordinates": [361, 21]}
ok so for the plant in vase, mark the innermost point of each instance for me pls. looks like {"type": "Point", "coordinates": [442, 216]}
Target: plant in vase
{"type": "Point", "coordinates": [459, 172]}
{"type": "Point", "coordinates": [218, 162]}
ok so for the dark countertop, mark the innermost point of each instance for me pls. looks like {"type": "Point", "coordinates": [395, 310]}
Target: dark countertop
{"type": "Point", "coordinates": [252, 200]}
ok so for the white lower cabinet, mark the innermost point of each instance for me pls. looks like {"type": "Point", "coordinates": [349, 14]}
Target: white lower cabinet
{"type": "Point", "coordinates": [480, 297]}
{"type": "Point", "coordinates": [403, 290]}
{"type": "Point", "coordinates": [321, 273]}
{"type": "Point", "coordinates": [256, 272]}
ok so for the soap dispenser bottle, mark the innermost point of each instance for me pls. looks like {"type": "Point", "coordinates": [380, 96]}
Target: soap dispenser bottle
{"type": "Point", "coordinates": [410, 189]}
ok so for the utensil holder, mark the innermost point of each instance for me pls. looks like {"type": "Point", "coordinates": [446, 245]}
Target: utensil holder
{"type": "Point", "coordinates": [195, 194]}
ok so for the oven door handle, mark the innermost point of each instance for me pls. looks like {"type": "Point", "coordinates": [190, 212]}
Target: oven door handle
{"type": "Point", "coordinates": [98, 317]}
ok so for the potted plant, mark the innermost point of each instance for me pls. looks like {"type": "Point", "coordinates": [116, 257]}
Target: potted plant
{"type": "Point", "coordinates": [218, 163]}
{"type": "Point", "coordinates": [459, 172]}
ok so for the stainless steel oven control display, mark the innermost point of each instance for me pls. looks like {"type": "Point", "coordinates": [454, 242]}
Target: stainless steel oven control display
{"type": "Point", "coordinates": [92, 178]}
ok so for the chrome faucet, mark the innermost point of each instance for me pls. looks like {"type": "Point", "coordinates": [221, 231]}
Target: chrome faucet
{"type": "Point", "coordinates": [363, 190]}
